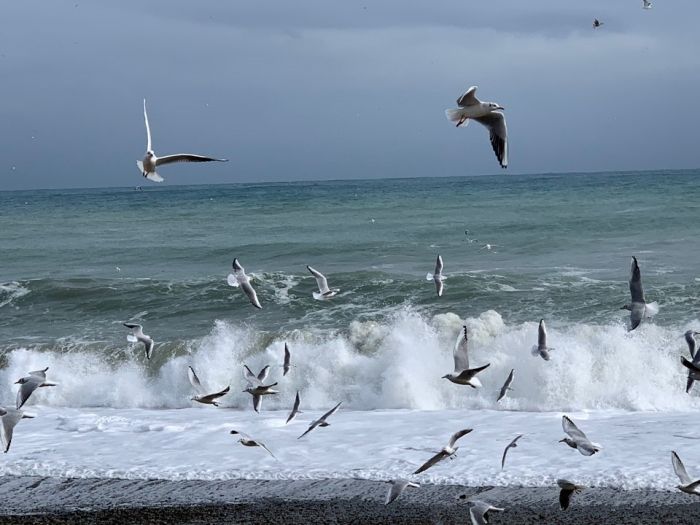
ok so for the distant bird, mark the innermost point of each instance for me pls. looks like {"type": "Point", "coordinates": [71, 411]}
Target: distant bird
{"type": "Point", "coordinates": [256, 388]}
{"type": "Point", "coordinates": [150, 162]}
{"type": "Point", "coordinates": [489, 246]}
{"type": "Point", "coordinates": [137, 336]}
{"type": "Point", "coordinates": [506, 386]}
{"type": "Point", "coordinates": [512, 444]}
{"type": "Point", "coordinates": [295, 409]}
{"type": "Point", "coordinates": [486, 114]}
{"type": "Point", "coordinates": [437, 276]}
{"type": "Point", "coordinates": [577, 439]}
{"type": "Point", "coordinates": [9, 418]}
{"type": "Point", "coordinates": [646, 4]}
{"type": "Point", "coordinates": [239, 278]}
{"type": "Point", "coordinates": [639, 309]}
{"type": "Point", "coordinates": [541, 349]}
{"type": "Point", "coordinates": [321, 421]}
{"type": "Point", "coordinates": [247, 441]}
{"type": "Point", "coordinates": [397, 488]}
{"type": "Point", "coordinates": [29, 384]}
{"type": "Point", "coordinates": [323, 291]}
{"type": "Point", "coordinates": [567, 489]}
{"type": "Point", "coordinates": [463, 375]}
{"type": "Point", "coordinates": [287, 360]}
{"type": "Point", "coordinates": [687, 485]}
{"type": "Point", "coordinates": [597, 23]}
{"type": "Point", "coordinates": [479, 510]}
{"type": "Point", "coordinates": [448, 451]}
{"type": "Point", "coordinates": [201, 397]}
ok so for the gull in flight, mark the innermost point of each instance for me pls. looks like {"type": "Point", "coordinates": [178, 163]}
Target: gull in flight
{"type": "Point", "coordinates": [646, 4]}
{"type": "Point", "coordinates": [137, 336]}
{"type": "Point", "coordinates": [321, 421]}
{"type": "Point", "coordinates": [693, 370]}
{"type": "Point", "coordinates": [256, 388]}
{"type": "Point", "coordinates": [597, 23]}
{"type": "Point", "coordinates": [638, 308]}
{"type": "Point", "coordinates": [247, 441]}
{"type": "Point", "coordinates": [323, 291]}
{"type": "Point", "coordinates": [479, 510]}
{"type": "Point", "coordinates": [541, 349]}
{"type": "Point", "coordinates": [448, 451]}
{"type": "Point", "coordinates": [239, 278]}
{"type": "Point", "coordinates": [486, 114]}
{"type": "Point", "coordinates": [10, 417]}
{"type": "Point", "coordinates": [506, 386]}
{"type": "Point", "coordinates": [150, 162]}
{"type": "Point", "coordinates": [463, 375]}
{"type": "Point", "coordinates": [692, 344]}
{"type": "Point", "coordinates": [512, 444]}
{"type": "Point", "coordinates": [437, 276]}
{"type": "Point", "coordinates": [577, 439]}
{"type": "Point", "coordinates": [687, 485]}
{"type": "Point", "coordinates": [202, 397]}
{"type": "Point", "coordinates": [287, 360]}
{"type": "Point", "coordinates": [397, 488]}
{"type": "Point", "coordinates": [567, 489]}
{"type": "Point", "coordinates": [295, 409]}
{"type": "Point", "coordinates": [30, 383]}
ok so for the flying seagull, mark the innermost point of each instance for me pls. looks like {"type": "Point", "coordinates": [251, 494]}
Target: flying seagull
{"type": "Point", "coordinates": [687, 485]}
{"type": "Point", "coordinates": [321, 421]}
{"type": "Point", "coordinates": [567, 489]}
{"type": "Point", "coordinates": [638, 308]}
{"type": "Point", "coordinates": [287, 360]}
{"type": "Point", "coordinates": [295, 409]}
{"type": "Point", "coordinates": [10, 417]}
{"type": "Point", "coordinates": [486, 114]}
{"type": "Point", "coordinates": [137, 336]}
{"type": "Point", "coordinates": [397, 488]}
{"type": "Point", "coordinates": [646, 4]}
{"type": "Point", "coordinates": [577, 439]}
{"type": "Point", "coordinates": [256, 388]}
{"type": "Point", "coordinates": [239, 278]}
{"type": "Point", "coordinates": [150, 162]}
{"type": "Point", "coordinates": [323, 291]}
{"type": "Point", "coordinates": [463, 375]}
{"type": "Point", "coordinates": [202, 397]}
{"type": "Point", "coordinates": [437, 276]}
{"type": "Point", "coordinates": [448, 451]}
{"type": "Point", "coordinates": [541, 349]}
{"type": "Point", "coordinates": [692, 344]}
{"type": "Point", "coordinates": [506, 386]}
{"type": "Point", "coordinates": [512, 444]}
{"type": "Point", "coordinates": [247, 441]}
{"type": "Point", "coordinates": [479, 510]}
{"type": "Point", "coordinates": [30, 383]}
{"type": "Point", "coordinates": [693, 370]}
{"type": "Point", "coordinates": [597, 23]}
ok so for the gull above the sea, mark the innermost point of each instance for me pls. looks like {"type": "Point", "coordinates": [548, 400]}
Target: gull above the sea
{"type": "Point", "coordinates": [9, 418]}
{"type": "Point", "coordinates": [137, 336]}
{"type": "Point", "coordinates": [487, 114]}
{"type": "Point", "coordinates": [512, 444]}
{"type": "Point", "coordinates": [256, 388]}
{"type": "Point", "coordinates": [463, 375]}
{"type": "Point", "coordinates": [321, 421]}
{"type": "Point", "coordinates": [323, 291]}
{"type": "Point", "coordinates": [150, 161]}
{"type": "Point", "coordinates": [295, 409]}
{"type": "Point", "coordinates": [541, 349]}
{"type": "Point", "coordinates": [202, 396]}
{"type": "Point", "coordinates": [639, 309]}
{"type": "Point", "coordinates": [447, 451]}
{"type": "Point", "coordinates": [479, 511]}
{"type": "Point", "coordinates": [646, 4]}
{"type": "Point", "coordinates": [287, 360]}
{"type": "Point", "coordinates": [239, 278]}
{"type": "Point", "coordinates": [506, 386]}
{"type": "Point", "coordinates": [437, 276]}
{"type": "Point", "coordinates": [397, 488]}
{"type": "Point", "coordinates": [687, 485]}
{"type": "Point", "coordinates": [577, 439]}
{"type": "Point", "coordinates": [694, 366]}
{"type": "Point", "coordinates": [247, 441]}
{"type": "Point", "coordinates": [29, 384]}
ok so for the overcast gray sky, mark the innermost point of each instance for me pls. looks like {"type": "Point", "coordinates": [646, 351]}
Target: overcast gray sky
{"type": "Point", "coordinates": [329, 89]}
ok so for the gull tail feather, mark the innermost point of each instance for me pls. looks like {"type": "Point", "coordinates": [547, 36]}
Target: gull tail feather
{"type": "Point", "coordinates": [652, 309]}
{"type": "Point", "coordinates": [455, 115]}
{"type": "Point", "coordinates": [232, 281]}
{"type": "Point", "coordinates": [428, 276]}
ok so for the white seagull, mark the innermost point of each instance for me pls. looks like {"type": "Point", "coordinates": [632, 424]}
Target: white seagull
{"type": "Point", "coordinates": [479, 510]}
{"type": "Point", "coordinates": [541, 349]}
{"type": "Point", "coordinates": [437, 276]}
{"type": "Point", "coordinates": [397, 488]}
{"type": "Point", "coordinates": [321, 421]}
{"type": "Point", "coordinates": [506, 386]}
{"type": "Point", "coordinates": [256, 388]}
{"type": "Point", "coordinates": [287, 360]}
{"type": "Point", "coordinates": [646, 4]}
{"type": "Point", "coordinates": [10, 417]}
{"type": "Point", "coordinates": [137, 336]}
{"type": "Point", "coordinates": [512, 444]}
{"type": "Point", "coordinates": [463, 375]}
{"type": "Point", "coordinates": [448, 451]}
{"type": "Point", "coordinates": [30, 383]}
{"type": "Point", "coordinates": [638, 308]}
{"type": "Point", "coordinates": [150, 162]}
{"type": "Point", "coordinates": [295, 409]}
{"type": "Point", "coordinates": [323, 291]}
{"type": "Point", "coordinates": [202, 396]}
{"type": "Point", "coordinates": [687, 485]}
{"type": "Point", "coordinates": [577, 439]}
{"type": "Point", "coordinates": [247, 441]}
{"type": "Point", "coordinates": [693, 370]}
{"type": "Point", "coordinates": [486, 114]}
{"type": "Point", "coordinates": [239, 278]}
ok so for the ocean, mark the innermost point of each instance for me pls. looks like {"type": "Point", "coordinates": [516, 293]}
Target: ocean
{"type": "Point", "coordinates": [78, 263]}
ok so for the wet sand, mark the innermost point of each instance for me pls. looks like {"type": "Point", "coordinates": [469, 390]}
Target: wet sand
{"type": "Point", "coordinates": [29, 500]}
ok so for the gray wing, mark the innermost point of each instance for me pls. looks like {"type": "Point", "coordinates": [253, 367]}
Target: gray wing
{"type": "Point", "coordinates": [148, 128]}
{"type": "Point", "coordinates": [313, 425]}
{"type": "Point", "coordinates": [262, 375]}
{"type": "Point", "coordinates": [512, 444]}
{"type": "Point", "coordinates": [583, 444]}
{"type": "Point", "coordinates": [321, 280]}
{"type": "Point", "coordinates": [185, 157]}
{"type": "Point", "coordinates": [132, 325]}
{"type": "Point", "coordinates": [25, 390]}
{"type": "Point", "coordinates": [498, 134]}
{"type": "Point", "coordinates": [330, 412]}
{"type": "Point", "coordinates": [506, 385]}
{"type": "Point", "coordinates": [287, 360]}
{"type": "Point", "coordinates": [691, 343]}
{"type": "Point", "coordinates": [542, 335]}
{"type": "Point", "coordinates": [439, 286]}
{"type": "Point", "coordinates": [257, 403]}
{"type": "Point", "coordinates": [432, 461]}
{"type": "Point", "coordinates": [458, 435]}
{"type": "Point", "coordinates": [438, 266]}
{"type": "Point", "coordinates": [479, 511]}
{"type": "Point", "coordinates": [211, 397]}
{"type": "Point", "coordinates": [148, 343]}
{"type": "Point", "coordinates": [250, 376]}
{"type": "Point", "coordinates": [250, 292]}
{"type": "Point", "coordinates": [461, 352]}
{"type": "Point", "coordinates": [679, 469]}
{"type": "Point", "coordinates": [262, 445]}
{"type": "Point", "coordinates": [295, 408]}
{"type": "Point", "coordinates": [469, 98]}
{"type": "Point", "coordinates": [636, 283]}
{"type": "Point", "coordinates": [9, 421]}
{"type": "Point", "coordinates": [194, 380]}
{"type": "Point", "coordinates": [39, 373]}
{"type": "Point", "coordinates": [565, 498]}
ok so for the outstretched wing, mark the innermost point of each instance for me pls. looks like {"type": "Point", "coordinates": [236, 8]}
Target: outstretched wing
{"type": "Point", "coordinates": [469, 98]}
{"type": "Point", "coordinates": [542, 335]}
{"type": "Point", "coordinates": [461, 351]}
{"type": "Point", "coordinates": [636, 289]}
{"type": "Point", "coordinates": [458, 435]}
{"type": "Point", "coordinates": [287, 360]}
{"type": "Point", "coordinates": [148, 128]}
{"type": "Point", "coordinates": [498, 134]}
{"type": "Point", "coordinates": [438, 267]}
{"type": "Point", "coordinates": [320, 280]}
{"type": "Point", "coordinates": [679, 469]}
{"type": "Point", "coordinates": [565, 498]}
{"type": "Point", "coordinates": [250, 376]}
{"type": "Point", "coordinates": [437, 458]}
{"type": "Point", "coordinates": [572, 430]}
{"type": "Point", "coordinates": [194, 380]}
{"type": "Point", "coordinates": [185, 157]}
{"type": "Point", "coordinates": [330, 412]}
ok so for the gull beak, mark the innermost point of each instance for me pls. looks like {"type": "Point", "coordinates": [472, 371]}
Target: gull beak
{"type": "Point", "coordinates": [501, 108]}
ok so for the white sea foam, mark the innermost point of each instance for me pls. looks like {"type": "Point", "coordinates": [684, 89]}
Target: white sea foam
{"type": "Point", "coordinates": [11, 291]}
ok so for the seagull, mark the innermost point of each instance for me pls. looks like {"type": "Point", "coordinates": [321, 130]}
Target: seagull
{"type": "Point", "coordinates": [512, 444]}
{"type": "Point", "coordinates": [206, 399]}
{"type": "Point", "coordinates": [256, 388]}
{"type": "Point", "coordinates": [137, 335]}
{"type": "Point", "coordinates": [10, 417]}
{"type": "Point", "coordinates": [687, 485]}
{"type": "Point", "coordinates": [397, 488]}
{"type": "Point", "coordinates": [506, 386]}
{"type": "Point", "coordinates": [577, 439]}
{"type": "Point", "coordinates": [486, 114]}
{"type": "Point", "coordinates": [567, 489]}
{"type": "Point", "coordinates": [693, 370]}
{"type": "Point", "coordinates": [437, 276]}
{"type": "Point", "coordinates": [287, 360]}
{"type": "Point", "coordinates": [295, 409]}
{"type": "Point", "coordinates": [321, 421]}
{"type": "Point", "coordinates": [541, 349]}
{"type": "Point", "coordinates": [638, 308]}
{"type": "Point", "coordinates": [692, 344]}
{"type": "Point", "coordinates": [463, 375]}
{"type": "Point", "coordinates": [239, 278]}
{"type": "Point", "coordinates": [597, 23]}
{"type": "Point", "coordinates": [150, 162]}
{"type": "Point", "coordinates": [646, 4]}
{"type": "Point", "coordinates": [247, 441]}
{"type": "Point", "coordinates": [30, 383]}
{"type": "Point", "coordinates": [323, 291]}
{"type": "Point", "coordinates": [479, 510]}
{"type": "Point", "coordinates": [446, 452]}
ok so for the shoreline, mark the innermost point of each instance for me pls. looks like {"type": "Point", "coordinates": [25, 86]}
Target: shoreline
{"type": "Point", "coordinates": [28, 499]}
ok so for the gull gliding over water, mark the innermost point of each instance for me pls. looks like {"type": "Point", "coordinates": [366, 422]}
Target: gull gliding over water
{"type": "Point", "coordinates": [202, 397]}
{"type": "Point", "coordinates": [247, 441]}
{"type": "Point", "coordinates": [150, 161]}
{"type": "Point", "coordinates": [463, 375]}
{"type": "Point", "coordinates": [239, 278]}
{"type": "Point", "coordinates": [29, 384]}
{"type": "Point", "coordinates": [295, 409]}
{"type": "Point", "coordinates": [687, 485]}
{"type": "Point", "coordinates": [646, 4]}
{"type": "Point", "coordinates": [437, 276]}
{"type": "Point", "coordinates": [487, 114]}
{"type": "Point", "coordinates": [541, 349]}
{"type": "Point", "coordinates": [577, 439]}
{"type": "Point", "coordinates": [397, 488]}
{"type": "Point", "coordinates": [256, 388]}
{"type": "Point", "coordinates": [694, 366]}
{"type": "Point", "coordinates": [506, 386]}
{"type": "Point", "coordinates": [638, 308]}
{"type": "Point", "coordinates": [287, 360]}
{"type": "Point", "coordinates": [137, 336]}
{"type": "Point", "coordinates": [479, 511]}
{"type": "Point", "coordinates": [321, 421]}
{"type": "Point", "coordinates": [10, 417]}
{"type": "Point", "coordinates": [512, 444]}
{"type": "Point", "coordinates": [323, 291]}
{"type": "Point", "coordinates": [447, 451]}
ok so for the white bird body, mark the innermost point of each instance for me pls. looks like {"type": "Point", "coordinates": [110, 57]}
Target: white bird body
{"type": "Point", "coordinates": [29, 384]}
{"type": "Point", "coordinates": [687, 485]}
{"type": "Point", "coordinates": [321, 421]}
{"type": "Point", "coordinates": [137, 336]}
{"type": "Point", "coordinates": [239, 278]}
{"type": "Point", "coordinates": [324, 292]}
{"type": "Point", "coordinates": [541, 349]}
{"type": "Point", "coordinates": [202, 396]}
{"type": "Point", "coordinates": [639, 308]}
{"type": "Point", "coordinates": [247, 441]}
{"type": "Point", "coordinates": [463, 375]}
{"type": "Point", "coordinates": [256, 388]}
{"type": "Point", "coordinates": [447, 451]}
{"type": "Point", "coordinates": [577, 439]}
